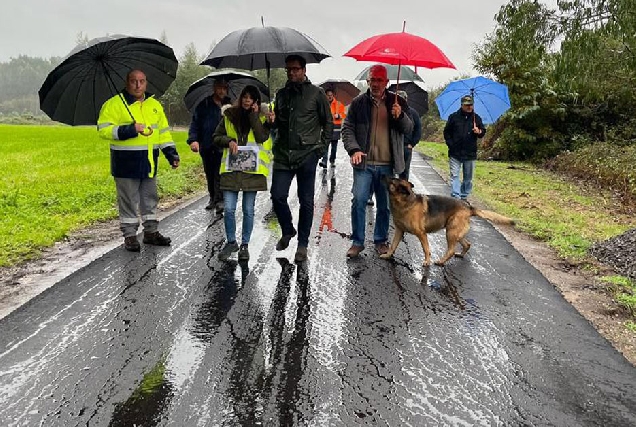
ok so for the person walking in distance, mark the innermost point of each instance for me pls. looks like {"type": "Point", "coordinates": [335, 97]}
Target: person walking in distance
{"type": "Point", "coordinates": [411, 139]}
{"type": "Point", "coordinates": [461, 132]}
{"type": "Point", "coordinates": [338, 113]}
{"type": "Point", "coordinates": [206, 118]}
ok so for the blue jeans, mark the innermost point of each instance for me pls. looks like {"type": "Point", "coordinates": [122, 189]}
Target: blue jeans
{"type": "Point", "coordinates": [364, 182]}
{"type": "Point", "coordinates": [305, 180]}
{"type": "Point", "coordinates": [461, 191]}
{"type": "Point", "coordinates": [230, 199]}
{"type": "Point", "coordinates": [408, 155]}
{"type": "Point", "coordinates": [334, 149]}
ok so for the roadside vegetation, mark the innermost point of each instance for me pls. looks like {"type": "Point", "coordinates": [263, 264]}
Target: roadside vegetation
{"type": "Point", "coordinates": [56, 179]}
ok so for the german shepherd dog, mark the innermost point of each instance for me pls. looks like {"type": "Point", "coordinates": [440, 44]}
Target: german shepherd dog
{"type": "Point", "coordinates": [420, 214]}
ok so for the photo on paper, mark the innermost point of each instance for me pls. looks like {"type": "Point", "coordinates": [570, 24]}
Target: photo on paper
{"type": "Point", "coordinates": [245, 160]}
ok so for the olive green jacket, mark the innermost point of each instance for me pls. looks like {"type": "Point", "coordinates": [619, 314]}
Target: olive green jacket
{"type": "Point", "coordinates": [303, 124]}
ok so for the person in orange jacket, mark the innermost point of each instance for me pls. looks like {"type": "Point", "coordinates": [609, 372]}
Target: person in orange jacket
{"type": "Point", "coordinates": [338, 114]}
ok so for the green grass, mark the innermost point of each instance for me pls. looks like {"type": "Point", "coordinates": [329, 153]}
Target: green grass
{"type": "Point", "coordinates": [56, 179]}
{"type": "Point", "coordinates": [624, 291]}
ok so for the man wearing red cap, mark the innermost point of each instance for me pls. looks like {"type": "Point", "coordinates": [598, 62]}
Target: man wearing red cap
{"type": "Point", "coordinates": [373, 135]}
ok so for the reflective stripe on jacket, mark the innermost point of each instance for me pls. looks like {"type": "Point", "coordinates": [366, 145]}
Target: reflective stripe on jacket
{"type": "Point", "coordinates": [134, 155]}
{"type": "Point", "coordinates": [264, 149]}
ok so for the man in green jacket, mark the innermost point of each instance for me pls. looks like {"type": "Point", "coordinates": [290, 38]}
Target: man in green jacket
{"type": "Point", "coordinates": [303, 123]}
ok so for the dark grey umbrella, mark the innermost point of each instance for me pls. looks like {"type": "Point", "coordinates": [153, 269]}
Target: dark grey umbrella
{"type": "Point", "coordinates": [263, 48]}
{"type": "Point", "coordinates": [416, 96]}
{"type": "Point", "coordinates": [73, 93]}
{"type": "Point", "coordinates": [343, 90]}
{"type": "Point", "coordinates": [406, 74]}
{"type": "Point", "coordinates": [236, 80]}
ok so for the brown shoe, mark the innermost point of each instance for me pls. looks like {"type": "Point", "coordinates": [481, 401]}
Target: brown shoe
{"type": "Point", "coordinates": [283, 242]}
{"type": "Point", "coordinates": [301, 254]}
{"type": "Point", "coordinates": [354, 251]}
{"type": "Point", "coordinates": [156, 239]}
{"type": "Point", "coordinates": [382, 248]}
{"type": "Point", "coordinates": [132, 244]}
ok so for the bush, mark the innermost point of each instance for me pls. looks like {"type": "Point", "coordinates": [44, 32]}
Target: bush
{"type": "Point", "coordinates": [603, 164]}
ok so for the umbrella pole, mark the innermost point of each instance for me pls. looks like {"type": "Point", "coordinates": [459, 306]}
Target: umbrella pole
{"type": "Point", "coordinates": [112, 83]}
{"type": "Point", "coordinates": [472, 93]}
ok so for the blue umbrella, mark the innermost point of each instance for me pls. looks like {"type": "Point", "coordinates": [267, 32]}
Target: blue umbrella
{"type": "Point", "coordinates": [490, 98]}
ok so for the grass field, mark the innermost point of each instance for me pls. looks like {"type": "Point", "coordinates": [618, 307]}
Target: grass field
{"type": "Point", "coordinates": [56, 179]}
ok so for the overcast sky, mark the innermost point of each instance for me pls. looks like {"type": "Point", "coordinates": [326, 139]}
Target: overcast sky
{"type": "Point", "coordinates": [47, 28]}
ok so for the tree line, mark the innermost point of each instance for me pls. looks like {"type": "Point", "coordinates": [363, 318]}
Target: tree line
{"type": "Point", "coordinates": [570, 71]}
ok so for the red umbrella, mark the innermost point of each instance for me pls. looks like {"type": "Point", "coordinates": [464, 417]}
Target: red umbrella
{"type": "Point", "coordinates": [400, 49]}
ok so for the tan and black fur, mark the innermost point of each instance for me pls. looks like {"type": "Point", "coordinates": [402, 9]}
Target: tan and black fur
{"type": "Point", "coordinates": [419, 214]}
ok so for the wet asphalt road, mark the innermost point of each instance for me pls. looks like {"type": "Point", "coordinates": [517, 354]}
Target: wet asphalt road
{"type": "Point", "coordinates": [173, 337]}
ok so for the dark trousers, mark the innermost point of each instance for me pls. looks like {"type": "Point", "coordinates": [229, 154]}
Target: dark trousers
{"type": "Point", "coordinates": [334, 150]}
{"type": "Point", "coordinates": [305, 180]}
{"type": "Point", "coordinates": [408, 155]}
{"type": "Point", "coordinates": [211, 157]}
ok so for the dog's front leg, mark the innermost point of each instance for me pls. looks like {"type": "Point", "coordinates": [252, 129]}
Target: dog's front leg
{"type": "Point", "coordinates": [394, 244]}
{"type": "Point", "coordinates": [425, 247]}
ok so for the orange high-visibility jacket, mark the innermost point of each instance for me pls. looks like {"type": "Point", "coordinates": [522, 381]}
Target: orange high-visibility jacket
{"type": "Point", "coordinates": [338, 107]}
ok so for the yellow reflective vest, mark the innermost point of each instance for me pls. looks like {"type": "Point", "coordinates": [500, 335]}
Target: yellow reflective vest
{"type": "Point", "coordinates": [264, 149]}
{"type": "Point", "coordinates": [134, 155]}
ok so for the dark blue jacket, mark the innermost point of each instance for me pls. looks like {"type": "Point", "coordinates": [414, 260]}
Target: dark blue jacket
{"type": "Point", "coordinates": [414, 137]}
{"type": "Point", "coordinates": [459, 135]}
{"type": "Point", "coordinates": [205, 119]}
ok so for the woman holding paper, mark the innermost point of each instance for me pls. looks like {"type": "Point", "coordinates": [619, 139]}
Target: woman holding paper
{"type": "Point", "coordinates": [244, 136]}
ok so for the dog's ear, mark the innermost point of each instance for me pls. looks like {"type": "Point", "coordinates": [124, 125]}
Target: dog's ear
{"type": "Point", "coordinates": [411, 184]}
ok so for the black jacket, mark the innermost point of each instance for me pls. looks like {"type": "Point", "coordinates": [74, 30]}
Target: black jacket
{"type": "Point", "coordinates": [459, 135]}
{"type": "Point", "coordinates": [205, 119]}
{"type": "Point", "coordinates": [304, 124]}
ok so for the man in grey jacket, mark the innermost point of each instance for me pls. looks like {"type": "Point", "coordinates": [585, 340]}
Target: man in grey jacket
{"type": "Point", "coordinates": [373, 135]}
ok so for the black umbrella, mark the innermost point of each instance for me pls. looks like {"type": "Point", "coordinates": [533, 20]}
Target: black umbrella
{"type": "Point", "coordinates": [417, 97]}
{"type": "Point", "coordinates": [263, 48]}
{"type": "Point", "coordinates": [236, 80]}
{"type": "Point", "coordinates": [343, 90]}
{"type": "Point", "coordinates": [73, 93]}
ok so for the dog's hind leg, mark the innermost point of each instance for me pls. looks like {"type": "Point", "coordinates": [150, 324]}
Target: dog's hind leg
{"type": "Point", "coordinates": [465, 247]}
{"type": "Point", "coordinates": [394, 244]}
{"type": "Point", "coordinates": [455, 232]}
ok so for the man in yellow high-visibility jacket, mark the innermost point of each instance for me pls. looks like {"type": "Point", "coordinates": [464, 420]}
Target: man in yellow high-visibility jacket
{"type": "Point", "coordinates": [134, 152]}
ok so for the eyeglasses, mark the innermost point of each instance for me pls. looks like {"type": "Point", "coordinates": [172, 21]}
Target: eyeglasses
{"type": "Point", "coordinates": [293, 69]}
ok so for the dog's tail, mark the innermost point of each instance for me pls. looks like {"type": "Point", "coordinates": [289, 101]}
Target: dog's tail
{"type": "Point", "coordinates": [491, 216]}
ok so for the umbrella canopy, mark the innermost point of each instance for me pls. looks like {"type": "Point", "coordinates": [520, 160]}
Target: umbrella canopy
{"type": "Point", "coordinates": [344, 90]}
{"type": "Point", "coordinates": [236, 80]}
{"type": "Point", "coordinates": [417, 97]}
{"type": "Point", "coordinates": [263, 48]}
{"type": "Point", "coordinates": [73, 93]}
{"type": "Point", "coordinates": [406, 74]}
{"type": "Point", "coordinates": [400, 49]}
{"type": "Point", "coordinates": [490, 98]}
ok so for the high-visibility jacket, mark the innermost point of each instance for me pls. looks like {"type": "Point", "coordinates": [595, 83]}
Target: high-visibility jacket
{"type": "Point", "coordinates": [337, 107]}
{"type": "Point", "coordinates": [133, 155]}
{"type": "Point", "coordinates": [264, 149]}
